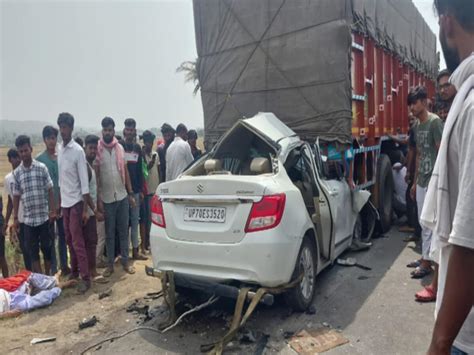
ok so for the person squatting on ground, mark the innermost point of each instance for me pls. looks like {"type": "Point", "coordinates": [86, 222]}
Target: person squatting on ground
{"type": "Point", "coordinates": [152, 180]}
{"type": "Point", "coordinates": [114, 194]}
{"type": "Point", "coordinates": [9, 186]}
{"type": "Point", "coordinates": [34, 188]}
{"type": "Point", "coordinates": [50, 159]}
{"type": "Point", "coordinates": [134, 160]}
{"type": "Point", "coordinates": [27, 291]}
{"type": "Point", "coordinates": [75, 198]}
{"type": "Point", "coordinates": [450, 199]}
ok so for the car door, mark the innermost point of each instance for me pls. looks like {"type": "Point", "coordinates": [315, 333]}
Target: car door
{"type": "Point", "coordinates": [340, 200]}
{"type": "Point", "coordinates": [322, 218]}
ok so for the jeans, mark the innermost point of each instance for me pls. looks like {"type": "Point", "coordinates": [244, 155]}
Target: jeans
{"type": "Point", "coordinates": [426, 233]}
{"type": "Point", "coordinates": [134, 221]}
{"type": "Point", "coordinates": [116, 222]}
{"type": "Point", "coordinates": [76, 241]}
{"type": "Point", "coordinates": [24, 249]}
{"type": "Point", "coordinates": [145, 218]}
{"type": "Point", "coordinates": [62, 246]}
{"type": "Point", "coordinates": [37, 238]}
{"type": "Point", "coordinates": [412, 212]}
{"type": "Point", "coordinates": [456, 351]}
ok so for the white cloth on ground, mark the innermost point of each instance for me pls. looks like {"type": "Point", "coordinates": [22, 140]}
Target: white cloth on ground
{"type": "Point", "coordinates": [178, 157]}
{"type": "Point", "coordinates": [450, 200]}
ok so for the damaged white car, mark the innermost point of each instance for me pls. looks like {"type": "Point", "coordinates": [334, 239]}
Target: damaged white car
{"type": "Point", "coordinates": [257, 210]}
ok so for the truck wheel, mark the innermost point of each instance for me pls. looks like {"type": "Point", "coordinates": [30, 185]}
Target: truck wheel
{"type": "Point", "coordinates": [301, 296]}
{"type": "Point", "coordinates": [384, 192]}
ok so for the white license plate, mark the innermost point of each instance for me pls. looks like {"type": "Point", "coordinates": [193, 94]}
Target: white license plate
{"type": "Point", "coordinates": [204, 214]}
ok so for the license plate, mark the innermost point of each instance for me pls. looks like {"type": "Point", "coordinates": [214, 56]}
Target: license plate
{"type": "Point", "coordinates": [205, 214]}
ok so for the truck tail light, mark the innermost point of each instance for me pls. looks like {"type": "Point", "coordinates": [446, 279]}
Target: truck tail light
{"type": "Point", "coordinates": [266, 213]}
{"type": "Point", "coordinates": [157, 214]}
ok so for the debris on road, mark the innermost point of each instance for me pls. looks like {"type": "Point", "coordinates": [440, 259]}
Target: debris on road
{"type": "Point", "coordinates": [317, 341]}
{"type": "Point", "coordinates": [138, 307]}
{"type": "Point", "coordinates": [105, 294]}
{"type": "Point", "coordinates": [88, 322]}
{"type": "Point", "coordinates": [42, 340]}
{"type": "Point", "coordinates": [351, 262]}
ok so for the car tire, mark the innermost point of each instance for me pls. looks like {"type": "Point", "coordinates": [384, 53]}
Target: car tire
{"type": "Point", "coordinates": [384, 192]}
{"type": "Point", "coordinates": [300, 297]}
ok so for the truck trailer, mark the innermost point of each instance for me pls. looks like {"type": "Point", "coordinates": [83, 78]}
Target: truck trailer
{"type": "Point", "coordinates": [337, 72]}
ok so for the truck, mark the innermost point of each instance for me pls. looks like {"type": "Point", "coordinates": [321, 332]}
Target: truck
{"type": "Point", "coordinates": [336, 72]}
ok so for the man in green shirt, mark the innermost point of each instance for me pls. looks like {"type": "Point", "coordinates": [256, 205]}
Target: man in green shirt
{"type": "Point", "coordinates": [49, 158]}
{"type": "Point", "coordinates": [428, 139]}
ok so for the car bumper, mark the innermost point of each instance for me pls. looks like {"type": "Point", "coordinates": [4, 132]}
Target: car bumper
{"type": "Point", "coordinates": [213, 288]}
{"type": "Point", "coordinates": [266, 258]}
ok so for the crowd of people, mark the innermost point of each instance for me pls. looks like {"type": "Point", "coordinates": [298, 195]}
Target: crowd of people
{"type": "Point", "coordinates": [81, 204]}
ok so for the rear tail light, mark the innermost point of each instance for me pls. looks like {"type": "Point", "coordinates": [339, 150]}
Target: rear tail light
{"type": "Point", "coordinates": [157, 214]}
{"type": "Point", "coordinates": [266, 213]}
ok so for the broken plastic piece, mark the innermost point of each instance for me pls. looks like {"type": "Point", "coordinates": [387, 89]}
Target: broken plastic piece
{"type": "Point", "coordinates": [88, 322]}
{"type": "Point", "coordinates": [42, 340]}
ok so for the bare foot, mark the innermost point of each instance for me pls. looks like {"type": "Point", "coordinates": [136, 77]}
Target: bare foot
{"type": "Point", "coordinates": [66, 284]}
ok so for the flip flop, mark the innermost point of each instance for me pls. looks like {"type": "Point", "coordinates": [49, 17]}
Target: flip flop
{"type": "Point", "coordinates": [411, 238]}
{"type": "Point", "coordinates": [420, 272]}
{"type": "Point", "coordinates": [100, 279]}
{"type": "Point", "coordinates": [414, 264]}
{"type": "Point", "coordinates": [426, 295]}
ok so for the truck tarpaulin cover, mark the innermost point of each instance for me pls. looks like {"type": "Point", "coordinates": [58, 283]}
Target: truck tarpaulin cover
{"type": "Point", "coordinates": [292, 58]}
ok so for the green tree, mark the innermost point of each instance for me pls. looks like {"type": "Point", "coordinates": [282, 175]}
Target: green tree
{"type": "Point", "coordinates": [189, 68]}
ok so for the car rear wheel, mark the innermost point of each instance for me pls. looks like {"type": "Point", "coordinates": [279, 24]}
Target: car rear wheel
{"type": "Point", "coordinates": [301, 296]}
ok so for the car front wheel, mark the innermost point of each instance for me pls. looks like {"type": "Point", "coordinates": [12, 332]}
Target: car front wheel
{"type": "Point", "coordinates": [301, 296]}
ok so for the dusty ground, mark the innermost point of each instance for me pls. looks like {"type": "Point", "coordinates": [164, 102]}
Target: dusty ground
{"type": "Point", "coordinates": [373, 309]}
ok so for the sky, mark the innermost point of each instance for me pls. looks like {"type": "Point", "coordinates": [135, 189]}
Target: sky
{"type": "Point", "coordinates": [97, 58]}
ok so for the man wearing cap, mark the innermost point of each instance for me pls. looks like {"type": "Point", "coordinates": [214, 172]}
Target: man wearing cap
{"type": "Point", "coordinates": [134, 159]}
{"type": "Point", "coordinates": [152, 180]}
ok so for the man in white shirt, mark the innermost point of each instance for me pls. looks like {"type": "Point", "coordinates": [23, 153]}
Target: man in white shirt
{"type": "Point", "coordinates": [9, 185]}
{"type": "Point", "coordinates": [178, 155]}
{"type": "Point", "coordinates": [453, 189]}
{"type": "Point", "coordinates": [74, 189]}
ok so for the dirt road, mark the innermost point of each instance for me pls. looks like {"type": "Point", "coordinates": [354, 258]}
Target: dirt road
{"type": "Point", "coordinates": [374, 310]}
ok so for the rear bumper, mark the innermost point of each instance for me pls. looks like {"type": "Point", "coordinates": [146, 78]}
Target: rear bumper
{"type": "Point", "coordinates": [266, 258]}
{"type": "Point", "coordinates": [212, 288]}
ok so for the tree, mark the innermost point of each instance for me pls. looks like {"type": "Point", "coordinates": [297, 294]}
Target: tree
{"type": "Point", "coordinates": [189, 68]}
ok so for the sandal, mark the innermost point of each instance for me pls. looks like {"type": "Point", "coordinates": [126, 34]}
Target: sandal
{"type": "Point", "coordinates": [100, 279]}
{"type": "Point", "coordinates": [129, 269]}
{"type": "Point", "coordinates": [414, 264]}
{"type": "Point", "coordinates": [420, 272]}
{"type": "Point", "coordinates": [411, 238]}
{"type": "Point", "coordinates": [108, 272]}
{"type": "Point", "coordinates": [426, 295]}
